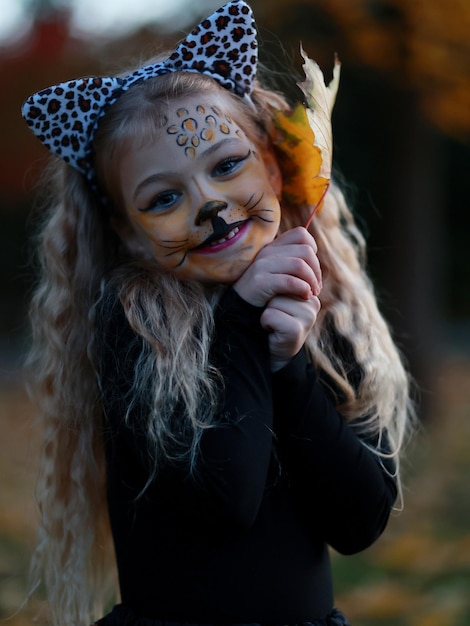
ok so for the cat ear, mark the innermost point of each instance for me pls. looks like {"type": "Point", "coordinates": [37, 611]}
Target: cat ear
{"type": "Point", "coordinates": [63, 117]}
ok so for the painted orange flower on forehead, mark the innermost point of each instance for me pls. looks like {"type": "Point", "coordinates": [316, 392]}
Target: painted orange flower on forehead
{"type": "Point", "coordinates": [303, 140]}
{"type": "Point", "coordinates": [198, 126]}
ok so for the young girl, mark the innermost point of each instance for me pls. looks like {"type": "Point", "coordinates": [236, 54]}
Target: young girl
{"type": "Point", "coordinates": [195, 396]}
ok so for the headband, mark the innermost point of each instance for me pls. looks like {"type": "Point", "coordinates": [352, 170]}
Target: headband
{"type": "Point", "coordinates": [65, 117]}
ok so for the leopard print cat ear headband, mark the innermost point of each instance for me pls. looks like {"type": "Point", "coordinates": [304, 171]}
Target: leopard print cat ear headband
{"type": "Point", "coordinates": [65, 117]}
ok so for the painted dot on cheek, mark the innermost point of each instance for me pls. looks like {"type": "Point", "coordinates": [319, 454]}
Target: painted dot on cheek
{"type": "Point", "coordinates": [211, 121]}
{"type": "Point", "coordinates": [190, 152]}
{"type": "Point", "coordinates": [195, 141]}
{"type": "Point", "coordinates": [239, 133]}
{"type": "Point", "coordinates": [172, 130]}
{"type": "Point", "coordinates": [200, 109]}
{"type": "Point", "coordinates": [216, 111]}
{"type": "Point", "coordinates": [182, 112]}
{"type": "Point", "coordinates": [182, 140]}
{"type": "Point", "coordinates": [224, 129]}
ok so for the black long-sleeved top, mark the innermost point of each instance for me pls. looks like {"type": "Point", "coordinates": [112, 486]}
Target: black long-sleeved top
{"type": "Point", "coordinates": [243, 539]}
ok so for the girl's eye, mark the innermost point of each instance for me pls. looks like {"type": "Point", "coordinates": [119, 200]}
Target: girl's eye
{"type": "Point", "coordinates": [162, 201]}
{"type": "Point", "coordinates": [227, 166]}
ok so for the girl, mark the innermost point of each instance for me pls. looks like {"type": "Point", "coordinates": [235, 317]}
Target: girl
{"type": "Point", "coordinates": [196, 398]}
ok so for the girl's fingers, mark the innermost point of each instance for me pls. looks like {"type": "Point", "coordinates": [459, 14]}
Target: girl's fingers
{"type": "Point", "coordinates": [259, 285]}
{"type": "Point", "coordinates": [288, 322]}
{"type": "Point", "coordinates": [291, 314]}
{"type": "Point", "coordinates": [289, 266]}
{"type": "Point", "coordinates": [302, 253]}
{"type": "Point", "coordinates": [297, 235]}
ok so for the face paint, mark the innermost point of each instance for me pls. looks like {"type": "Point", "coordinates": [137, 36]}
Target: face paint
{"type": "Point", "coordinates": [192, 132]}
{"type": "Point", "coordinates": [200, 195]}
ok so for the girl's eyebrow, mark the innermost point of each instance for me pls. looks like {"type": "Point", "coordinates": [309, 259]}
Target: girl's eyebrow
{"type": "Point", "coordinates": [223, 142]}
{"type": "Point", "coordinates": [155, 178]}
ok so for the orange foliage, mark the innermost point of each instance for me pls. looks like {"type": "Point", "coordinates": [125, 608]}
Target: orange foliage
{"type": "Point", "coordinates": [299, 158]}
{"type": "Point", "coordinates": [423, 45]}
{"type": "Point", "coordinates": [427, 49]}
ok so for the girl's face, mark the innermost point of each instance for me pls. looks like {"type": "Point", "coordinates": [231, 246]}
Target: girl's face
{"type": "Point", "coordinates": [202, 195]}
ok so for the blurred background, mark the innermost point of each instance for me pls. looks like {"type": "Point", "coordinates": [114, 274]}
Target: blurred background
{"type": "Point", "coordinates": [402, 139]}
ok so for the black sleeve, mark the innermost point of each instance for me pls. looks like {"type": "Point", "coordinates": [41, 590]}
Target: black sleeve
{"type": "Point", "coordinates": [343, 487]}
{"type": "Point", "coordinates": [230, 477]}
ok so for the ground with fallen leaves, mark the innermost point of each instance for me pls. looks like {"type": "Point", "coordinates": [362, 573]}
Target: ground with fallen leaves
{"type": "Point", "coordinates": [417, 574]}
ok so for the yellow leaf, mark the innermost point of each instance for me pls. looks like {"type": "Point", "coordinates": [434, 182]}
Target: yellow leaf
{"type": "Point", "coordinates": [303, 139]}
{"type": "Point", "coordinates": [299, 159]}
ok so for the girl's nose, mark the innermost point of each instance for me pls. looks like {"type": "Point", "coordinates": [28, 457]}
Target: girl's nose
{"type": "Point", "coordinates": [209, 210]}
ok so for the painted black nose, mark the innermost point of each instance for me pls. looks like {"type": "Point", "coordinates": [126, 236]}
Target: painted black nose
{"type": "Point", "coordinates": [209, 211]}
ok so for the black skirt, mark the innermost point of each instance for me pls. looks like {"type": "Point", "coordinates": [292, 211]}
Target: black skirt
{"type": "Point", "coordinates": [123, 616]}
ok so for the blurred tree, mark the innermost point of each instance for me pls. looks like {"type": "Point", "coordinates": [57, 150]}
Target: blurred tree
{"type": "Point", "coordinates": [25, 66]}
{"type": "Point", "coordinates": [422, 46]}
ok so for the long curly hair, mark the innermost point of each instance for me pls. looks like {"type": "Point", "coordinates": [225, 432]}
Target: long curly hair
{"type": "Point", "coordinates": [87, 250]}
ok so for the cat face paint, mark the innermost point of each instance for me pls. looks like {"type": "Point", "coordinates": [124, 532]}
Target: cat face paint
{"type": "Point", "coordinates": [202, 195]}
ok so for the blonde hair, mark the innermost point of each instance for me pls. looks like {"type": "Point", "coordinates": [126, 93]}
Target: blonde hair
{"type": "Point", "coordinates": [86, 251]}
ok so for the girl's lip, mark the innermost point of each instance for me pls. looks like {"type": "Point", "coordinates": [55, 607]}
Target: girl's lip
{"type": "Point", "coordinates": [224, 242]}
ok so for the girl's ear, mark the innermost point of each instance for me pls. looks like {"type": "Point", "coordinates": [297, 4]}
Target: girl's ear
{"type": "Point", "coordinates": [272, 168]}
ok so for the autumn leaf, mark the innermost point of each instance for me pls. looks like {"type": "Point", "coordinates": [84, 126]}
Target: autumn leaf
{"type": "Point", "coordinates": [320, 100]}
{"type": "Point", "coordinates": [303, 139]}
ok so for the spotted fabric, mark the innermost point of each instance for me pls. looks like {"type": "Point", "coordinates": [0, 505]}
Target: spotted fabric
{"type": "Point", "coordinates": [65, 117]}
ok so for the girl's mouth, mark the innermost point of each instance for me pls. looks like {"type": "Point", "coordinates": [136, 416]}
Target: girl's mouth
{"type": "Point", "coordinates": [212, 245]}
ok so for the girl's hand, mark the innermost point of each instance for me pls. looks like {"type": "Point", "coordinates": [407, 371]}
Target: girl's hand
{"type": "Point", "coordinates": [285, 277]}
{"type": "Point", "coordinates": [288, 321]}
{"type": "Point", "coordinates": [288, 266]}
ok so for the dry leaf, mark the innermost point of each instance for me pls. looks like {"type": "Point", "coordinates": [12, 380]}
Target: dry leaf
{"type": "Point", "coordinates": [303, 139]}
{"type": "Point", "coordinates": [320, 101]}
